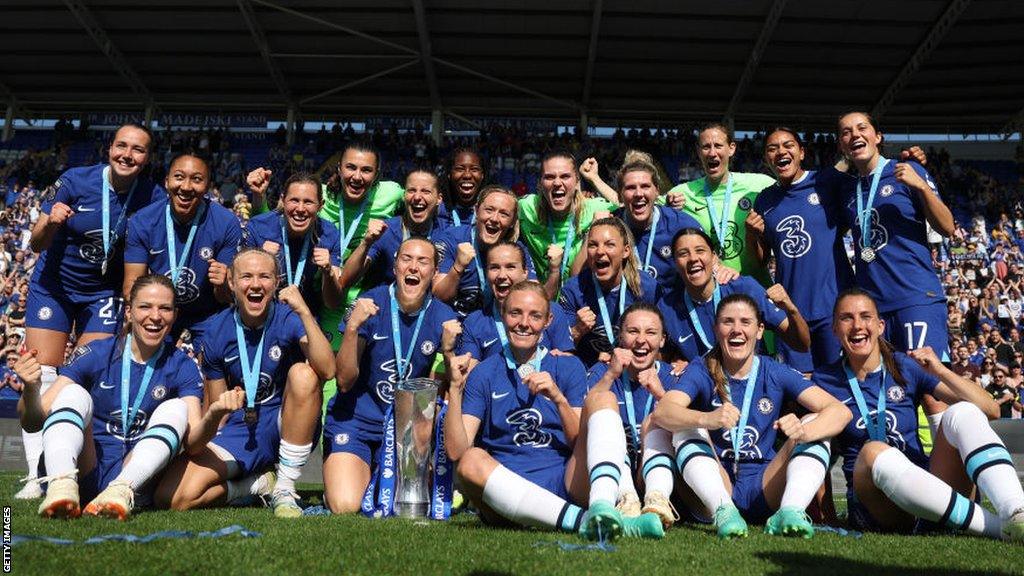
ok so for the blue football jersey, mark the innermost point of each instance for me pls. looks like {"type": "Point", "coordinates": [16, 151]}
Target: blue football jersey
{"type": "Point", "coordinates": [469, 297]}
{"type": "Point", "coordinates": [901, 272]}
{"type": "Point", "coordinates": [901, 404]}
{"type": "Point", "coordinates": [775, 384]}
{"type": "Point", "coordinates": [521, 431]}
{"type": "Point", "coordinates": [374, 389]}
{"type": "Point", "coordinates": [802, 228]}
{"type": "Point", "coordinates": [381, 255]}
{"type": "Point", "coordinates": [661, 264]}
{"type": "Point", "coordinates": [73, 262]}
{"type": "Point", "coordinates": [679, 331]}
{"type": "Point", "coordinates": [97, 368]}
{"type": "Point", "coordinates": [578, 292]}
{"type": "Point", "coordinates": [217, 237]}
{"type": "Point", "coordinates": [480, 333]}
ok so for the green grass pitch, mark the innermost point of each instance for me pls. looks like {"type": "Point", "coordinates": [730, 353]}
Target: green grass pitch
{"type": "Point", "coordinates": [355, 545]}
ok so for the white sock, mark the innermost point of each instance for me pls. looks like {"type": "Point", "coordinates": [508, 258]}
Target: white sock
{"type": "Point", "coordinates": [158, 444]}
{"type": "Point", "coordinates": [658, 468]}
{"type": "Point", "coordinates": [523, 502]}
{"type": "Point", "coordinates": [985, 457]}
{"type": "Point", "coordinates": [290, 460]}
{"type": "Point", "coordinates": [33, 441]}
{"type": "Point", "coordinates": [933, 423]}
{"type": "Point", "coordinates": [240, 487]}
{"type": "Point", "coordinates": [64, 429]}
{"type": "Point", "coordinates": [805, 472]}
{"type": "Point", "coordinates": [695, 459]}
{"type": "Point", "coordinates": [920, 493]}
{"type": "Point", "coordinates": [606, 452]}
{"type": "Point", "coordinates": [626, 484]}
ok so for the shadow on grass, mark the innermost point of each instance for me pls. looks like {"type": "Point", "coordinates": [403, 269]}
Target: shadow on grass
{"type": "Point", "coordinates": [808, 563]}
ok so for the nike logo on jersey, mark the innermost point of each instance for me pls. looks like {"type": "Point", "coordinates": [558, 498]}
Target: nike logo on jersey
{"type": "Point", "coordinates": [683, 339]}
{"type": "Point", "coordinates": [105, 386]}
{"type": "Point", "coordinates": [495, 396]}
{"type": "Point", "coordinates": [231, 358]}
{"type": "Point", "coordinates": [768, 211]}
{"type": "Point", "coordinates": [109, 322]}
{"type": "Point", "coordinates": [378, 337]}
{"type": "Point", "coordinates": [84, 209]}
{"type": "Point", "coordinates": [489, 342]}
{"type": "Point", "coordinates": [155, 252]}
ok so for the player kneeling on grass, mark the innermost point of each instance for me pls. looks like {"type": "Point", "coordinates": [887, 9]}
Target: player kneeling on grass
{"type": "Point", "coordinates": [133, 398]}
{"type": "Point", "coordinates": [522, 409]}
{"type": "Point", "coordinates": [275, 355]}
{"type": "Point", "coordinates": [890, 480]}
{"type": "Point", "coordinates": [737, 396]}
{"type": "Point", "coordinates": [621, 397]}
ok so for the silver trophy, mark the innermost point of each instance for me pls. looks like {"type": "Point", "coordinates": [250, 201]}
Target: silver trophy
{"type": "Point", "coordinates": [415, 406]}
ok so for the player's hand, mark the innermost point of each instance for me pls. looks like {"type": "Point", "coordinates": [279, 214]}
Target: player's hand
{"type": "Point", "coordinates": [59, 214]}
{"type": "Point", "coordinates": [292, 296]}
{"type": "Point", "coordinates": [258, 180]}
{"type": "Point", "coordinates": [217, 272]}
{"type": "Point", "coordinates": [28, 369]}
{"type": "Point", "coordinates": [459, 367]}
{"type": "Point", "coordinates": [464, 254]}
{"type": "Point", "coordinates": [926, 358]}
{"type": "Point", "coordinates": [271, 247]}
{"type": "Point", "coordinates": [651, 382]}
{"type": "Point", "coordinates": [907, 175]}
{"type": "Point", "coordinates": [726, 416]}
{"type": "Point", "coordinates": [585, 320]}
{"type": "Point", "coordinates": [555, 253]}
{"type": "Point", "coordinates": [322, 258]}
{"type": "Point", "coordinates": [450, 332]}
{"type": "Point", "coordinates": [229, 401]}
{"type": "Point", "coordinates": [361, 311]}
{"type": "Point", "coordinates": [777, 295]}
{"type": "Point", "coordinates": [588, 169]}
{"type": "Point", "coordinates": [724, 274]}
{"type": "Point", "coordinates": [678, 366]}
{"type": "Point", "coordinates": [619, 360]}
{"type": "Point", "coordinates": [755, 223]}
{"type": "Point", "coordinates": [914, 153]}
{"type": "Point", "coordinates": [792, 427]}
{"type": "Point", "coordinates": [541, 383]}
{"type": "Point", "coordinates": [374, 230]}
{"type": "Point", "coordinates": [600, 214]}
{"type": "Point", "coordinates": [676, 200]}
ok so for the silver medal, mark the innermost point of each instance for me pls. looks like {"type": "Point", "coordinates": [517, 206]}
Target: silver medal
{"type": "Point", "coordinates": [525, 370]}
{"type": "Point", "coordinates": [867, 254]}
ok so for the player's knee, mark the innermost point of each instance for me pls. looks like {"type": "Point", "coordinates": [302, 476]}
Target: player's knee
{"type": "Point", "coordinates": [869, 452]}
{"type": "Point", "coordinates": [961, 414]}
{"type": "Point", "coordinates": [343, 501]}
{"type": "Point", "coordinates": [600, 400]}
{"type": "Point", "coordinates": [302, 381]}
{"type": "Point", "coordinates": [474, 466]}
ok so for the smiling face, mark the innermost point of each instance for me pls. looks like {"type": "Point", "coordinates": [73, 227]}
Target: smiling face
{"type": "Point", "coordinates": [494, 217]}
{"type": "Point", "coordinates": [695, 260]}
{"type": "Point", "coordinates": [505, 268]}
{"type": "Point", "coordinates": [715, 150]}
{"type": "Point", "coordinates": [783, 154]}
{"type": "Point", "coordinates": [466, 176]}
{"type": "Point", "coordinates": [415, 264]}
{"type": "Point", "coordinates": [858, 139]}
{"type": "Point", "coordinates": [642, 334]}
{"type": "Point", "coordinates": [526, 314]}
{"type": "Point", "coordinates": [606, 253]}
{"type": "Point", "coordinates": [151, 314]}
{"type": "Point", "coordinates": [638, 195]}
{"type": "Point", "coordinates": [738, 329]}
{"type": "Point", "coordinates": [421, 197]}
{"type": "Point", "coordinates": [253, 280]}
{"type": "Point", "coordinates": [301, 203]}
{"type": "Point", "coordinates": [129, 152]}
{"type": "Point", "coordinates": [857, 327]}
{"type": "Point", "coordinates": [186, 185]}
{"type": "Point", "coordinates": [358, 170]}
{"type": "Point", "coordinates": [559, 181]}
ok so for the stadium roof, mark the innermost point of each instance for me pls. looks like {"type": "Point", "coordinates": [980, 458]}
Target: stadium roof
{"type": "Point", "coordinates": [922, 64]}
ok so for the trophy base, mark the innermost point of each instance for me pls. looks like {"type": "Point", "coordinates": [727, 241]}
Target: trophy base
{"type": "Point", "coordinates": [411, 509]}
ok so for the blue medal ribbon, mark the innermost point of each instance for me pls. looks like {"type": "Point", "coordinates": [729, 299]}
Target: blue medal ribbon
{"type": "Point", "coordinates": [346, 238]}
{"type": "Point", "coordinates": [294, 279]}
{"type": "Point", "coordinates": [627, 393]}
{"type": "Point", "coordinates": [457, 220]}
{"type": "Point", "coordinates": [499, 325]}
{"type": "Point", "coordinates": [875, 427]}
{"type": "Point", "coordinates": [128, 414]}
{"type": "Point", "coordinates": [567, 246]}
{"type": "Point", "coordinates": [250, 371]}
{"type": "Point", "coordinates": [403, 362]}
{"type": "Point", "coordinates": [606, 319]}
{"type": "Point", "coordinates": [691, 309]}
{"type": "Point", "coordinates": [721, 224]}
{"type": "Point", "coordinates": [441, 493]}
{"type": "Point", "coordinates": [748, 396]}
{"type": "Point", "coordinates": [175, 263]}
{"type": "Point", "coordinates": [864, 212]}
{"type": "Point", "coordinates": [485, 288]}
{"type": "Point", "coordinates": [655, 215]}
{"type": "Point", "coordinates": [379, 498]}
{"type": "Point", "coordinates": [108, 234]}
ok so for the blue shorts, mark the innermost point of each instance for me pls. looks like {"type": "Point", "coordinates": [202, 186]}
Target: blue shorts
{"type": "Point", "coordinates": [825, 348]}
{"type": "Point", "coordinates": [352, 437]}
{"type": "Point", "coordinates": [919, 326]}
{"type": "Point", "coordinates": [858, 517]}
{"type": "Point", "coordinates": [551, 478]}
{"type": "Point", "coordinates": [748, 492]}
{"type": "Point", "coordinates": [254, 447]}
{"type": "Point", "coordinates": [110, 453]}
{"type": "Point", "coordinates": [52, 310]}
